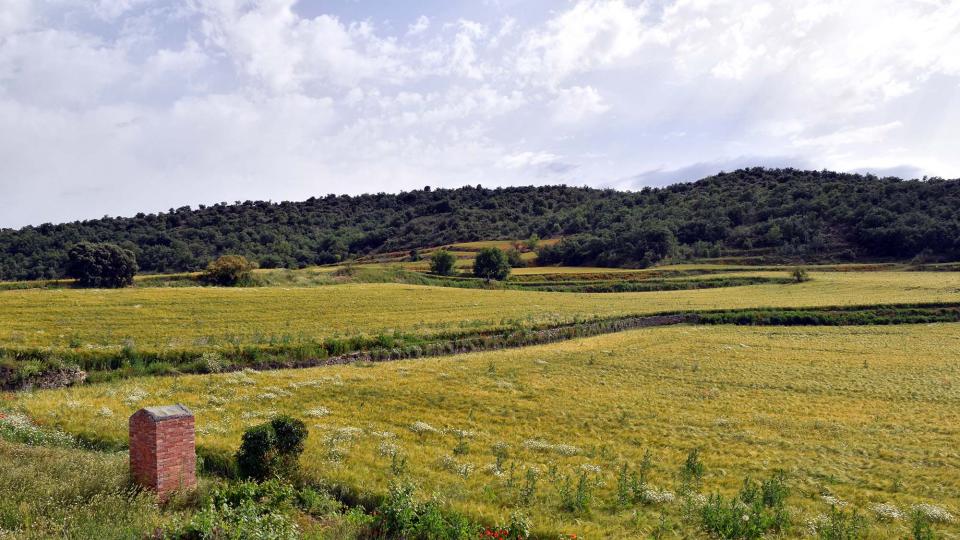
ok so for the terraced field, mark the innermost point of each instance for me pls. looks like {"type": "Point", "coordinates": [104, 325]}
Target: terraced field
{"type": "Point", "coordinates": [865, 415]}
{"type": "Point", "coordinates": [196, 318]}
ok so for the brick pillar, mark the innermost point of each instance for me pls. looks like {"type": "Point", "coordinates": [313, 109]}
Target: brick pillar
{"type": "Point", "coordinates": [162, 449]}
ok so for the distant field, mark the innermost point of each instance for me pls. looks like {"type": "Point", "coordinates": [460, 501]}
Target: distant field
{"type": "Point", "coordinates": [865, 414]}
{"type": "Point", "coordinates": [196, 318]}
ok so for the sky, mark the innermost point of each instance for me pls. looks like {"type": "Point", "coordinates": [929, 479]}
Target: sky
{"type": "Point", "coordinates": [113, 107]}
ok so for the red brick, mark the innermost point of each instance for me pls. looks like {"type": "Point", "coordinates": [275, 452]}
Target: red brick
{"type": "Point", "coordinates": [162, 449]}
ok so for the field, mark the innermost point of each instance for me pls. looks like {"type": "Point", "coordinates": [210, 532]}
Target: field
{"type": "Point", "coordinates": [865, 414]}
{"type": "Point", "coordinates": [196, 318]}
{"type": "Point", "coordinates": [863, 418]}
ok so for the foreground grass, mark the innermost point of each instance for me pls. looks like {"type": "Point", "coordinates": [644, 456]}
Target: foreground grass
{"type": "Point", "coordinates": [204, 318]}
{"type": "Point", "coordinates": [70, 493]}
{"type": "Point", "coordinates": [865, 414]}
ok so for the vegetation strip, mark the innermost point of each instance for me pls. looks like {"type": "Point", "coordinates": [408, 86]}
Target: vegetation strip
{"type": "Point", "coordinates": [44, 368]}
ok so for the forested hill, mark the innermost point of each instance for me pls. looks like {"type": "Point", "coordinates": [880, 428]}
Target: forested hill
{"type": "Point", "coordinates": [779, 212]}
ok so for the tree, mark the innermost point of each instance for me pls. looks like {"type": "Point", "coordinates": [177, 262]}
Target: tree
{"type": "Point", "coordinates": [442, 262]}
{"type": "Point", "coordinates": [101, 265]}
{"type": "Point", "coordinates": [228, 270]}
{"type": "Point", "coordinates": [491, 263]}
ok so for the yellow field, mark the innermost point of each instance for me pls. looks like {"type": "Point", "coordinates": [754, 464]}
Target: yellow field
{"type": "Point", "coordinates": [866, 414]}
{"type": "Point", "coordinates": [199, 317]}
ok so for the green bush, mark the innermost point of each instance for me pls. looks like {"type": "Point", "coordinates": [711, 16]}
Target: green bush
{"type": "Point", "coordinates": [272, 449]}
{"type": "Point", "coordinates": [228, 270]}
{"type": "Point", "coordinates": [800, 275]}
{"type": "Point", "coordinates": [442, 262]}
{"type": "Point", "coordinates": [491, 264]}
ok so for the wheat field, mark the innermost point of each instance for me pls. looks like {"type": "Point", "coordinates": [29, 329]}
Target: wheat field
{"type": "Point", "coordinates": [187, 318]}
{"type": "Point", "coordinates": [866, 415]}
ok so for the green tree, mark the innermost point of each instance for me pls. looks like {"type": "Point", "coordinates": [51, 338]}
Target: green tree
{"type": "Point", "coordinates": [491, 263]}
{"type": "Point", "coordinates": [101, 265]}
{"type": "Point", "coordinates": [442, 262]}
{"type": "Point", "coordinates": [228, 270]}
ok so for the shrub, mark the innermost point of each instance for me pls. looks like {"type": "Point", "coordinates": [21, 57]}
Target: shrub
{"type": "Point", "coordinates": [228, 270]}
{"type": "Point", "coordinates": [800, 275]}
{"type": "Point", "coordinates": [101, 265]}
{"type": "Point", "coordinates": [491, 263]}
{"type": "Point", "coordinates": [442, 262]}
{"type": "Point", "coordinates": [515, 259]}
{"type": "Point", "coordinates": [272, 449]}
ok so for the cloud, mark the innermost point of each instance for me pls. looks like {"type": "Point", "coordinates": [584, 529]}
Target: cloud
{"type": "Point", "coordinates": [420, 26]}
{"type": "Point", "coordinates": [119, 106]}
{"type": "Point", "coordinates": [577, 103]}
{"type": "Point", "coordinates": [590, 35]}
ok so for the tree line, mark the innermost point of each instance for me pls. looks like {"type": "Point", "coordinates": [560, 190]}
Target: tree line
{"type": "Point", "coordinates": [791, 213]}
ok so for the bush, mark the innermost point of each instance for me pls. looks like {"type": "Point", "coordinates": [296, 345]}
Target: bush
{"type": "Point", "coordinates": [101, 265]}
{"type": "Point", "coordinates": [272, 449]}
{"type": "Point", "coordinates": [491, 263]}
{"type": "Point", "coordinates": [442, 262]}
{"type": "Point", "coordinates": [754, 512]}
{"type": "Point", "coordinates": [515, 259]}
{"type": "Point", "coordinates": [800, 275]}
{"type": "Point", "coordinates": [228, 270]}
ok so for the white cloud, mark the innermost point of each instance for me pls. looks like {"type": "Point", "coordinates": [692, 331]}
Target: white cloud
{"type": "Point", "coordinates": [592, 34]}
{"type": "Point", "coordinates": [117, 106]}
{"type": "Point", "coordinates": [577, 103]}
{"type": "Point", "coordinates": [16, 15]}
{"type": "Point", "coordinates": [420, 26]}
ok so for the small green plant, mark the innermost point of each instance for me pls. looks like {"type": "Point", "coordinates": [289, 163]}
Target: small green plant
{"type": "Point", "coordinates": [757, 510]}
{"type": "Point", "coordinates": [576, 500]}
{"type": "Point", "coordinates": [272, 449]}
{"type": "Point", "coordinates": [921, 527]}
{"type": "Point", "coordinates": [842, 525]}
{"type": "Point", "coordinates": [691, 473]}
{"type": "Point", "coordinates": [528, 491]}
{"type": "Point", "coordinates": [501, 451]}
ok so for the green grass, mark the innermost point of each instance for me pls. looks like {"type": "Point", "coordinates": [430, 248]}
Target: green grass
{"type": "Point", "coordinates": [865, 414]}
{"type": "Point", "coordinates": [71, 493]}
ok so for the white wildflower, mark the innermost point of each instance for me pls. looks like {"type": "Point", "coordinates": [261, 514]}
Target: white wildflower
{"type": "Point", "coordinates": [105, 412]}
{"type": "Point", "coordinates": [593, 469]}
{"type": "Point", "coordinates": [654, 496]}
{"type": "Point", "coordinates": [318, 412]}
{"type": "Point", "coordinates": [934, 513]}
{"type": "Point", "coordinates": [538, 445]}
{"type": "Point", "coordinates": [886, 512]}
{"type": "Point", "coordinates": [422, 428]}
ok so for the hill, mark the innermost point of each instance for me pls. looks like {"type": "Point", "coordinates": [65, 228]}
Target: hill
{"type": "Point", "coordinates": [784, 213]}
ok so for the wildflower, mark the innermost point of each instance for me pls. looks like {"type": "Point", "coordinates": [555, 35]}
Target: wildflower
{"type": "Point", "coordinates": [934, 513]}
{"type": "Point", "coordinates": [886, 512]}
{"type": "Point", "coordinates": [318, 412]}
{"type": "Point", "coordinates": [542, 446]}
{"type": "Point", "coordinates": [422, 428]}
